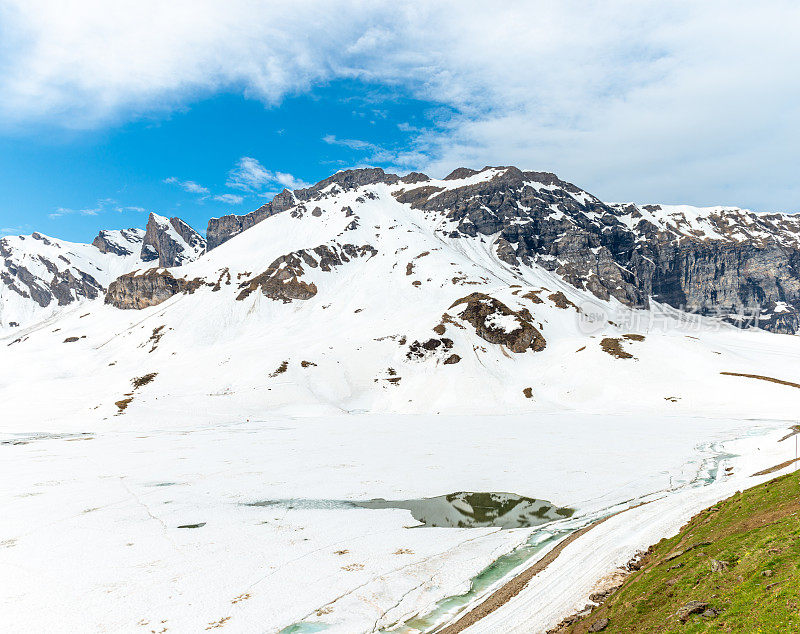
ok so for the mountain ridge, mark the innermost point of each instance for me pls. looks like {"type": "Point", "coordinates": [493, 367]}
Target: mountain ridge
{"type": "Point", "coordinates": [720, 261]}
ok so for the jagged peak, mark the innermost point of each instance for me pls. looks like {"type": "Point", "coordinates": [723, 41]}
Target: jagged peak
{"type": "Point", "coordinates": [350, 179]}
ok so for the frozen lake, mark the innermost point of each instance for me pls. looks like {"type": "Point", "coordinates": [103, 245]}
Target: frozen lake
{"type": "Point", "coordinates": [164, 527]}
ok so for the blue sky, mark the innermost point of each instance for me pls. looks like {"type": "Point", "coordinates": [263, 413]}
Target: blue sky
{"type": "Point", "coordinates": [111, 110]}
{"type": "Point", "coordinates": [71, 183]}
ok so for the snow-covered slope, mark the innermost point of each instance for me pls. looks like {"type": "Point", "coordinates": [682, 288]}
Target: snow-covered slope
{"type": "Point", "coordinates": [718, 223]}
{"type": "Point", "coordinates": [365, 296]}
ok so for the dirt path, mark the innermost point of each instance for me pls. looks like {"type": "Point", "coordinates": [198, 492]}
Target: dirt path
{"type": "Point", "coordinates": [514, 586]}
{"type": "Point", "coordinates": [762, 378]}
{"type": "Point", "coordinates": [777, 467]}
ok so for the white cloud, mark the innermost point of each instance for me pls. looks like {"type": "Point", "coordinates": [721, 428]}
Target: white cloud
{"type": "Point", "coordinates": [14, 231]}
{"type": "Point", "coordinates": [374, 154]}
{"type": "Point", "coordinates": [671, 100]}
{"type": "Point", "coordinates": [189, 186]}
{"type": "Point", "coordinates": [353, 144]}
{"type": "Point", "coordinates": [231, 199]}
{"type": "Point", "coordinates": [65, 211]}
{"type": "Point", "coordinates": [251, 176]}
{"type": "Point", "coordinates": [103, 205]}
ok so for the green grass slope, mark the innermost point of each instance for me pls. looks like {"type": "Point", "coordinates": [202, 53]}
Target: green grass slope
{"type": "Point", "coordinates": [735, 567]}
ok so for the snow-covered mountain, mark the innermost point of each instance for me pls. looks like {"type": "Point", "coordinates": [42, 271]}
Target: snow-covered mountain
{"type": "Point", "coordinates": [371, 292]}
{"type": "Point", "coordinates": [186, 436]}
{"type": "Point", "coordinates": [40, 275]}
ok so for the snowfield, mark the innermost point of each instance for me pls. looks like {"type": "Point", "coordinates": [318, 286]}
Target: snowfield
{"type": "Point", "coordinates": [92, 521]}
{"type": "Point", "coordinates": [187, 467]}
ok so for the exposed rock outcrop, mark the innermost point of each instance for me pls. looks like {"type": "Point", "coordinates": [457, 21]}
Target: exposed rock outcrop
{"type": "Point", "coordinates": [171, 241]}
{"type": "Point", "coordinates": [141, 289]}
{"type": "Point", "coordinates": [49, 272]}
{"type": "Point", "coordinates": [497, 323]}
{"type": "Point", "coordinates": [715, 261]}
{"type": "Point", "coordinates": [222, 229]}
{"type": "Point", "coordinates": [120, 242]}
{"type": "Point", "coordinates": [281, 281]}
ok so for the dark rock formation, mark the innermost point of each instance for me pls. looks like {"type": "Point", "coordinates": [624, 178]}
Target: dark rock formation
{"type": "Point", "coordinates": [281, 281]}
{"type": "Point", "coordinates": [223, 229]}
{"type": "Point", "coordinates": [171, 241]}
{"type": "Point", "coordinates": [124, 242]}
{"type": "Point", "coordinates": [418, 350]}
{"type": "Point", "coordinates": [732, 262]}
{"type": "Point", "coordinates": [497, 323]}
{"type": "Point", "coordinates": [138, 290]}
{"type": "Point", "coordinates": [60, 286]}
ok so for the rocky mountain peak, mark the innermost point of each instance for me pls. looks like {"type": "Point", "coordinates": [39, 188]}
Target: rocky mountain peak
{"type": "Point", "coordinates": [349, 179]}
{"type": "Point", "coordinates": [120, 241]}
{"type": "Point", "coordinates": [171, 241]}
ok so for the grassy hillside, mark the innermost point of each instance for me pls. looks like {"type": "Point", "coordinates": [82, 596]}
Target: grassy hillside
{"type": "Point", "coordinates": [735, 567]}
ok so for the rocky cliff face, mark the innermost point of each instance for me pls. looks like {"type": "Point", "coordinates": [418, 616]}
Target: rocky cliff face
{"type": "Point", "coordinates": [223, 229]}
{"type": "Point", "coordinates": [139, 290]}
{"type": "Point", "coordinates": [119, 242]}
{"type": "Point", "coordinates": [736, 264]}
{"type": "Point", "coordinates": [39, 274]}
{"type": "Point", "coordinates": [171, 241]}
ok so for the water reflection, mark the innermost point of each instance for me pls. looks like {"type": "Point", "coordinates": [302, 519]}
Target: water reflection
{"type": "Point", "coordinates": [455, 510]}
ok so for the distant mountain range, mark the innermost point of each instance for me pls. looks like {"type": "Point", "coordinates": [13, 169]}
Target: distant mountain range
{"type": "Point", "coordinates": [487, 290]}
{"type": "Point", "coordinates": [721, 261]}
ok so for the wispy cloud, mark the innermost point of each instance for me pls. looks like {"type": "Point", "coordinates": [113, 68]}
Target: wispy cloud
{"type": "Point", "coordinates": [231, 199]}
{"type": "Point", "coordinates": [607, 94]}
{"type": "Point", "coordinates": [102, 206]}
{"type": "Point", "coordinates": [251, 176]}
{"type": "Point", "coordinates": [188, 186]}
{"type": "Point", "coordinates": [14, 231]}
{"type": "Point", "coordinates": [374, 154]}
{"type": "Point", "coordinates": [353, 144]}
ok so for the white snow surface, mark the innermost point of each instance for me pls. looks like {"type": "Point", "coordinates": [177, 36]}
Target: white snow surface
{"type": "Point", "coordinates": [93, 497]}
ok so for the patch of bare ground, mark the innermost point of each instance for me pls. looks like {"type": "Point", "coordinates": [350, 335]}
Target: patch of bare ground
{"type": "Point", "coordinates": [308, 364]}
{"type": "Point", "coordinates": [534, 297]}
{"type": "Point", "coordinates": [280, 369]}
{"type": "Point", "coordinates": [561, 301]}
{"type": "Point", "coordinates": [141, 381]}
{"type": "Point", "coordinates": [138, 381]}
{"type": "Point", "coordinates": [123, 404]}
{"type": "Point", "coordinates": [762, 378]}
{"type": "Point", "coordinates": [155, 338]}
{"type": "Point", "coordinates": [777, 467]}
{"type": "Point", "coordinates": [528, 392]}
{"type": "Point", "coordinates": [613, 346]}
{"type": "Point", "coordinates": [630, 337]}
{"type": "Point", "coordinates": [795, 430]}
